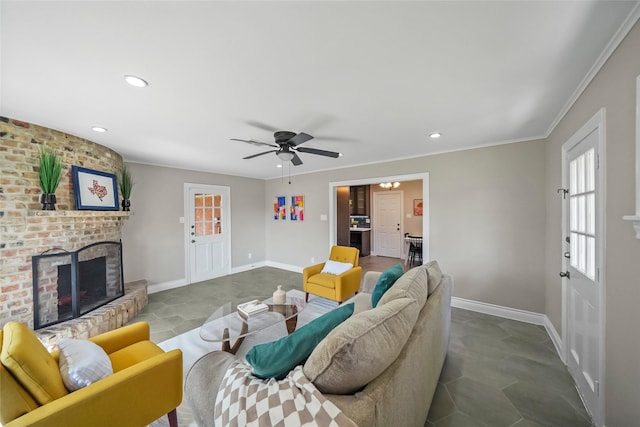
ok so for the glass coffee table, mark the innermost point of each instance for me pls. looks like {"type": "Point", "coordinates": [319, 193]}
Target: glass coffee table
{"type": "Point", "coordinates": [226, 324]}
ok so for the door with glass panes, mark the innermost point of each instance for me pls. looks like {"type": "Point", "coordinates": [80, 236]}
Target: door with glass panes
{"type": "Point", "coordinates": [581, 258]}
{"type": "Point", "coordinates": [208, 234]}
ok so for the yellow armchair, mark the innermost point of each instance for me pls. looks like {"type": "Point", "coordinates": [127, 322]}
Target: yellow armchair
{"type": "Point", "coordinates": [146, 383]}
{"type": "Point", "coordinates": [331, 286]}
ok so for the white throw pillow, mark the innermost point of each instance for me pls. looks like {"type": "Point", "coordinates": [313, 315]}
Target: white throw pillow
{"type": "Point", "coordinates": [335, 267]}
{"type": "Point", "coordinates": [82, 363]}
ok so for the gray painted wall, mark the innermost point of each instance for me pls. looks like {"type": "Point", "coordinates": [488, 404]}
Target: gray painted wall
{"type": "Point", "coordinates": [487, 219]}
{"type": "Point", "coordinates": [614, 89]}
{"type": "Point", "coordinates": [153, 237]}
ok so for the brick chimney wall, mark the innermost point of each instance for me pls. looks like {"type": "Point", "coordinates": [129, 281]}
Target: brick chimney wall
{"type": "Point", "coordinates": [25, 229]}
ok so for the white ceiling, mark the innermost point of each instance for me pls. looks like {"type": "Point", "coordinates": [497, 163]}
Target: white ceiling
{"type": "Point", "coordinates": [368, 79]}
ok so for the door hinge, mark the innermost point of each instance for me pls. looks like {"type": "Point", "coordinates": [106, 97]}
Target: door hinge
{"type": "Point", "coordinates": [597, 161]}
{"type": "Point", "coordinates": [597, 388]}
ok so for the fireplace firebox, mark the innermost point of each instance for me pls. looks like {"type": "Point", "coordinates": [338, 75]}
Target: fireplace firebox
{"type": "Point", "coordinates": [67, 285]}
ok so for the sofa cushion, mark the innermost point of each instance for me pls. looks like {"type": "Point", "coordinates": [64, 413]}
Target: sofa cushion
{"type": "Point", "coordinates": [412, 284]}
{"type": "Point", "coordinates": [361, 302]}
{"type": "Point", "coordinates": [82, 363]}
{"type": "Point", "coordinates": [31, 364]}
{"type": "Point", "coordinates": [275, 359]}
{"type": "Point", "coordinates": [362, 347]}
{"type": "Point", "coordinates": [386, 280]}
{"type": "Point", "coordinates": [435, 275]}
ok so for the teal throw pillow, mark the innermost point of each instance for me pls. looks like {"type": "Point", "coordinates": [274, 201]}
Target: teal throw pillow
{"type": "Point", "coordinates": [277, 358]}
{"type": "Point", "coordinates": [386, 280]}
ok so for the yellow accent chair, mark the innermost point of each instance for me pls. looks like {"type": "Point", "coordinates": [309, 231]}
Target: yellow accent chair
{"type": "Point", "coordinates": [331, 286]}
{"type": "Point", "coordinates": [145, 385]}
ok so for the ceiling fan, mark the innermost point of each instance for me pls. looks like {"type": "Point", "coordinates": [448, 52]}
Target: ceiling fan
{"type": "Point", "coordinates": [286, 144]}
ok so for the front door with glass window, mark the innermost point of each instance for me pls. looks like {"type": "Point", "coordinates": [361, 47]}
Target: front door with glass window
{"type": "Point", "coordinates": [581, 259]}
{"type": "Point", "coordinates": [208, 234]}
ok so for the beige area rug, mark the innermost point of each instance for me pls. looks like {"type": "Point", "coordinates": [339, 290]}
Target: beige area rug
{"type": "Point", "coordinates": [193, 347]}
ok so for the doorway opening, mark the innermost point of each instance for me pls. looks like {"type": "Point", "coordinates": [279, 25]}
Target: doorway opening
{"type": "Point", "coordinates": [335, 188]}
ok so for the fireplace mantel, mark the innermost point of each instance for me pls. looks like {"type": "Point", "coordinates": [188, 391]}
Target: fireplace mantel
{"type": "Point", "coordinates": [78, 214]}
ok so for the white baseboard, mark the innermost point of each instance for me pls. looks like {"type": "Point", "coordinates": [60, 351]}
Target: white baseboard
{"type": "Point", "coordinates": [498, 310]}
{"type": "Point", "coordinates": [287, 267]}
{"type": "Point", "coordinates": [158, 287]}
{"type": "Point", "coordinates": [555, 338]}
{"type": "Point", "coordinates": [152, 289]}
{"type": "Point", "coordinates": [513, 314]}
{"type": "Point", "coordinates": [247, 267]}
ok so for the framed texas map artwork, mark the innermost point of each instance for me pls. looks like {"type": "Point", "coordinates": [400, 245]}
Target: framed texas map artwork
{"type": "Point", "coordinates": [94, 190]}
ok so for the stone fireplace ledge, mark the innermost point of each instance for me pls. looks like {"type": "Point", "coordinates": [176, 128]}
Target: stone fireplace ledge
{"type": "Point", "coordinates": [110, 316]}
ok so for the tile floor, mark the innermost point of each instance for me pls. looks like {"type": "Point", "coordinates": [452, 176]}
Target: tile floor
{"type": "Point", "coordinates": [498, 372]}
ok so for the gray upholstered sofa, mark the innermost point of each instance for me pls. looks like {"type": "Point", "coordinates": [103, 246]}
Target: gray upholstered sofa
{"type": "Point", "coordinates": [396, 351]}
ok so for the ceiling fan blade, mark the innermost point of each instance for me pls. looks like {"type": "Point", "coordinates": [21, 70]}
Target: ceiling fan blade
{"type": "Point", "coordinates": [299, 139]}
{"type": "Point", "coordinates": [251, 141]}
{"type": "Point", "coordinates": [319, 152]}
{"type": "Point", "coordinates": [297, 161]}
{"type": "Point", "coordinates": [261, 125]}
{"type": "Point", "coordinates": [260, 154]}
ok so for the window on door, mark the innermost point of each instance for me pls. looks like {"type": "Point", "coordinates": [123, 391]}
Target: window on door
{"type": "Point", "coordinates": [582, 223]}
{"type": "Point", "coordinates": [208, 214]}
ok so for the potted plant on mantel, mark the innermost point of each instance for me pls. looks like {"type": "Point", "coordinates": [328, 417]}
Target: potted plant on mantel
{"type": "Point", "coordinates": [50, 174]}
{"type": "Point", "coordinates": [126, 185]}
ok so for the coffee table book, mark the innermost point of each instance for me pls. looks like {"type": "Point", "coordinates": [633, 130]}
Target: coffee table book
{"type": "Point", "coordinates": [251, 308]}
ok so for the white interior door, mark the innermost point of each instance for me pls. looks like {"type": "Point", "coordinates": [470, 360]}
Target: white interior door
{"type": "Point", "coordinates": [208, 231]}
{"type": "Point", "coordinates": [583, 288]}
{"type": "Point", "coordinates": [387, 223]}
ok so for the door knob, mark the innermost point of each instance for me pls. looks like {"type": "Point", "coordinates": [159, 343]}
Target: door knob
{"type": "Point", "coordinates": [193, 241]}
{"type": "Point", "coordinates": [567, 254]}
{"type": "Point", "coordinates": [565, 274]}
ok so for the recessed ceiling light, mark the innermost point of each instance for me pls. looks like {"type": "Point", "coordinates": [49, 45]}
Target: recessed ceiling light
{"type": "Point", "coordinates": [99, 129]}
{"type": "Point", "coordinates": [278, 166]}
{"type": "Point", "coordinates": [435, 135]}
{"type": "Point", "coordinates": [135, 81]}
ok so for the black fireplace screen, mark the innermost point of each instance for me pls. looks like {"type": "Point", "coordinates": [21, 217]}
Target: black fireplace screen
{"type": "Point", "coordinates": [67, 285]}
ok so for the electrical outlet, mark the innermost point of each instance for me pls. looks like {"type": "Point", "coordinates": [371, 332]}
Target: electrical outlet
{"type": "Point", "coordinates": [313, 259]}
{"type": "Point", "coordinates": [249, 255]}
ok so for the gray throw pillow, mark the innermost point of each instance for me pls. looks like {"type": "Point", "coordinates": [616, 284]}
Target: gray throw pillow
{"type": "Point", "coordinates": [435, 275]}
{"type": "Point", "coordinates": [362, 347]}
{"type": "Point", "coordinates": [413, 284]}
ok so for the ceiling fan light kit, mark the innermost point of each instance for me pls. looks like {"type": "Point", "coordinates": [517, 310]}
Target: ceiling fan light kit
{"type": "Point", "coordinates": [287, 146]}
{"type": "Point", "coordinates": [285, 156]}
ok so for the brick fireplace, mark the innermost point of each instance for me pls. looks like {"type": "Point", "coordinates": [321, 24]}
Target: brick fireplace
{"type": "Point", "coordinates": [25, 229]}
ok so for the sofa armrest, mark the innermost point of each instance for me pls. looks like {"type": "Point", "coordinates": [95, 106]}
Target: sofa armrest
{"type": "Point", "coordinates": [311, 271]}
{"type": "Point", "coordinates": [122, 337]}
{"type": "Point", "coordinates": [369, 281]}
{"type": "Point", "coordinates": [136, 395]}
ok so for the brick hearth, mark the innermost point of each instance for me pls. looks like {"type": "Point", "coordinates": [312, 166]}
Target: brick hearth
{"type": "Point", "coordinates": [108, 317]}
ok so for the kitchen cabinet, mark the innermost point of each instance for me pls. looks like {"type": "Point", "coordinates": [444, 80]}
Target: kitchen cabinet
{"type": "Point", "coordinates": [359, 200]}
{"type": "Point", "coordinates": [361, 239]}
